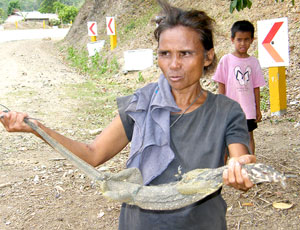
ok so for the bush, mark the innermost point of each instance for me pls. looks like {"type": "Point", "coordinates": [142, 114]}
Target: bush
{"type": "Point", "coordinates": [54, 22]}
{"type": "Point", "coordinates": [68, 14]}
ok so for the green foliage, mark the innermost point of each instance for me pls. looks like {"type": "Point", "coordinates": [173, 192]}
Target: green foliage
{"type": "Point", "coordinates": [99, 64]}
{"type": "Point", "coordinates": [57, 6]}
{"type": "Point", "coordinates": [30, 5]}
{"type": "Point", "coordinates": [100, 90]}
{"type": "Point", "coordinates": [68, 13]}
{"type": "Point", "coordinates": [134, 24]}
{"type": "Point", "coordinates": [291, 119]}
{"type": "Point", "coordinates": [12, 5]}
{"type": "Point", "coordinates": [129, 27]}
{"type": "Point", "coordinates": [114, 65]}
{"type": "Point", "coordinates": [3, 15]}
{"type": "Point", "coordinates": [78, 59]}
{"type": "Point", "coordinates": [242, 4]}
{"type": "Point", "coordinates": [293, 1]}
{"type": "Point", "coordinates": [264, 99]}
{"type": "Point", "coordinates": [76, 3]}
{"type": "Point", "coordinates": [140, 77]}
{"type": "Point", "coordinates": [54, 22]}
{"type": "Point", "coordinates": [239, 5]}
{"type": "Point", "coordinates": [47, 6]}
{"type": "Point", "coordinates": [96, 66]}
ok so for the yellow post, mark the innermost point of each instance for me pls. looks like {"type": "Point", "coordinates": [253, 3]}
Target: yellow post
{"type": "Point", "coordinates": [44, 25]}
{"type": "Point", "coordinates": [113, 40]}
{"type": "Point", "coordinates": [16, 24]}
{"type": "Point", "coordinates": [277, 87]}
{"type": "Point", "coordinates": [93, 38]}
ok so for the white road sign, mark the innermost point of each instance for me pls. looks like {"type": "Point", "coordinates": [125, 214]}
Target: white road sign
{"type": "Point", "coordinates": [92, 28]}
{"type": "Point", "coordinates": [110, 26]}
{"type": "Point", "coordinates": [273, 45]}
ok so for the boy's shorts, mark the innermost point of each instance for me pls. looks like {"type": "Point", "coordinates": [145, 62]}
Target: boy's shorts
{"type": "Point", "coordinates": [251, 125]}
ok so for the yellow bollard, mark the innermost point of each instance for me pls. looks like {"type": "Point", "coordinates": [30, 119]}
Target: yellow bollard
{"type": "Point", "coordinates": [113, 41]}
{"type": "Point", "coordinates": [44, 24]}
{"type": "Point", "coordinates": [16, 24]}
{"type": "Point", "coordinates": [93, 38]}
{"type": "Point", "coordinates": [277, 87]}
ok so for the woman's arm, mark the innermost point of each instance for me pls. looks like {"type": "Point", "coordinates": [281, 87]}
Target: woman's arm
{"type": "Point", "coordinates": [110, 142]}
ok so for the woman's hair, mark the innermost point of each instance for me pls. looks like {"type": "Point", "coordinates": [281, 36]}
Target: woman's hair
{"type": "Point", "coordinates": [194, 19]}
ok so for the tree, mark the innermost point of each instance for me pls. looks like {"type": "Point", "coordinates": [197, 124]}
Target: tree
{"type": "Point", "coordinates": [75, 3]}
{"type": "Point", "coordinates": [13, 5]}
{"type": "Point", "coordinates": [68, 13]}
{"type": "Point", "coordinates": [242, 4]}
{"type": "Point", "coordinates": [4, 4]}
{"type": "Point", "coordinates": [29, 5]}
{"type": "Point", "coordinates": [3, 16]}
{"type": "Point", "coordinates": [57, 7]}
{"type": "Point", "coordinates": [47, 6]}
{"type": "Point", "coordinates": [50, 6]}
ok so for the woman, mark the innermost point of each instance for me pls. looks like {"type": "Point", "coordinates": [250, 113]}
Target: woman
{"type": "Point", "coordinates": [174, 126]}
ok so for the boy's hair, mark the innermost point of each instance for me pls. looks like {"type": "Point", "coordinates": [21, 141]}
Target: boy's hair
{"type": "Point", "coordinates": [242, 26]}
{"type": "Point", "coordinates": [194, 19]}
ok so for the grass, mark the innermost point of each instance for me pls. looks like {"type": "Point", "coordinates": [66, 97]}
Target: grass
{"type": "Point", "coordinates": [22, 93]}
{"type": "Point", "coordinates": [94, 102]}
{"type": "Point", "coordinates": [140, 77]}
{"type": "Point", "coordinates": [130, 26]}
{"type": "Point", "coordinates": [98, 94]}
{"type": "Point", "coordinates": [264, 99]}
{"type": "Point", "coordinates": [96, 66]}
{"type": "Point", "coordinates": [129, 30]}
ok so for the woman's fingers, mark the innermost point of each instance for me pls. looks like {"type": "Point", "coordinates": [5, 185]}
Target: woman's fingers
{"type": "Point", "coordinates": [235, 176]}
{"type": "Point", "coordinates": [14, 122]}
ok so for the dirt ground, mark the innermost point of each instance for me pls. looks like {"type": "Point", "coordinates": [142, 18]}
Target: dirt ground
{"type": "Point", "coordinates": [41, 190]}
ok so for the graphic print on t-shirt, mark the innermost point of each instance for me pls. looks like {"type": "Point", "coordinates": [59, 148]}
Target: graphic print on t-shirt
{"type": "Point", "coordinates": [242, 78]}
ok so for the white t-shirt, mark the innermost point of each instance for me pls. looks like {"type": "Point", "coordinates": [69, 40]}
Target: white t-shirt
{"type": "Point", "coordinates": [240, 76]}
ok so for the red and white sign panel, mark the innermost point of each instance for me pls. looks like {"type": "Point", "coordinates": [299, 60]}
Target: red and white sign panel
{"type": "Point", "coordinates": [92, 28]}
{"type": "Point", "coordinates": [110, 26]}
{"type": "Point", "coordinates": [273, 42]}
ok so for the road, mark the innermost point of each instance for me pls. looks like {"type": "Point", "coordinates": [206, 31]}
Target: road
{"type": "Point", "coordinates": [38, 189]}
{"type": "Point", "coordinates": [15, 35]}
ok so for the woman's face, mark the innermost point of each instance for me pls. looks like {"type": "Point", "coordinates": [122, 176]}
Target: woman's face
{"type": "Point", "coordinates": [181, 57]}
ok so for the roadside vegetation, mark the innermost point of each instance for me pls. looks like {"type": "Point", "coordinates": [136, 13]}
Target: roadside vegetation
{"type": "Point", "coordinates": [67, 10]}
{"type": "Point", "coordinates": [101, 87]}
{"type": "Point", "coordinates": [103, 69]}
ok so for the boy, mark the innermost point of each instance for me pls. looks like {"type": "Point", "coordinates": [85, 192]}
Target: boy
{"type": "Point", "coordinates": [239, 76]}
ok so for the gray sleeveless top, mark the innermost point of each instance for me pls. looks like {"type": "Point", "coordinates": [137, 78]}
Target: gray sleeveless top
{"type": "Point", "coordinates": [198, 139]}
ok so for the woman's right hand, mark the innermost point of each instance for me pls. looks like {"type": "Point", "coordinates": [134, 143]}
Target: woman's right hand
{"type": "Point", "coordinates": [14, 121]}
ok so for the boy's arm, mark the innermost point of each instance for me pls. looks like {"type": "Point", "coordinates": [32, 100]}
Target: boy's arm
{"type": "Point", "coordinates": [257, 103]}
{"type": "Point", "coordinates": [222, 89]}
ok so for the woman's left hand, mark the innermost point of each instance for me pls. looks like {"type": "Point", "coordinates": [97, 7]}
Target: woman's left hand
{"type": "Point", "coordinates": [237, 177]}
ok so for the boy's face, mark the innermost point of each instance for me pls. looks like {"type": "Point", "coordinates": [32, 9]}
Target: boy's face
{"type": "Point", "coordinates": [242, 42]}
